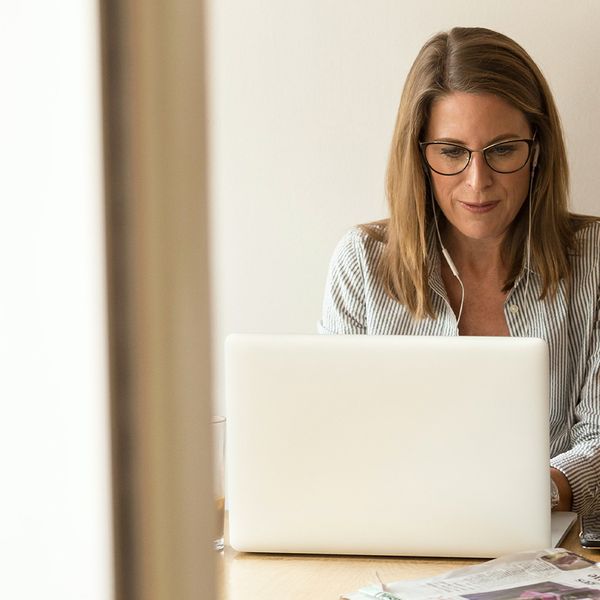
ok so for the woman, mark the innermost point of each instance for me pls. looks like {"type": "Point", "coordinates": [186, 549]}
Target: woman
{"type": "Point", "coordinates": [480, 241]}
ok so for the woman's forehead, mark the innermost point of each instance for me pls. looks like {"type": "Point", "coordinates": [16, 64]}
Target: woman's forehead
{"type": "Point", "coordinates": [476, 119]}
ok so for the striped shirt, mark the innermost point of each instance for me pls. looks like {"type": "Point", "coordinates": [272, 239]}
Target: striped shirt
{"type": "Point", "coordinates": [356, 303]}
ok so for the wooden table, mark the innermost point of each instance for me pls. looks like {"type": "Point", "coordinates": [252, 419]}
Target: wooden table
{"type": "Point", "coordinates": [244, 576]}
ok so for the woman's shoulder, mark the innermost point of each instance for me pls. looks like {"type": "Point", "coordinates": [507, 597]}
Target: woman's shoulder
{"type": "Point", "coordinates": [360, 248]}
{"type": "Point", "coordinates": [368, 234]}
{"type": "Point", "coordinates": [363, 241]}
{"type": "Point", "coordinates": [587, 233]}
{"type": "Point", "coordinates": [585, 253]}
{"type": "Point", "coordinates": [376, 231]}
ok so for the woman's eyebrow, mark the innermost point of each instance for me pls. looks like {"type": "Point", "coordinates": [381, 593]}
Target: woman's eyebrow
{"type": "Point", "coordinates": [498, 138]}
{"type": "Point", "coordinates": [506, 137]}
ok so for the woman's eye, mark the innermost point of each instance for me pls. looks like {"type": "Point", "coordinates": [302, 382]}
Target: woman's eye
{"type": "Point", "coordinates": [452, 151]}
{"type": "Point", "coordinates": [504, 150]}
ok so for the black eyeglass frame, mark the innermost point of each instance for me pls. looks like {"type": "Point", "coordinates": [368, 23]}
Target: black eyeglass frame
{"type": "Point", "coordinates": [423, 146]}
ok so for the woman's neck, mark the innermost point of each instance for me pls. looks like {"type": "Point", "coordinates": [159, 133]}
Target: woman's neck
{"type": "Point", "coordinates": [476, 257]}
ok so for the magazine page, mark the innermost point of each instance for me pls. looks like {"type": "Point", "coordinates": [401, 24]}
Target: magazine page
{"type": "Point", "coordinates": [554, 574]}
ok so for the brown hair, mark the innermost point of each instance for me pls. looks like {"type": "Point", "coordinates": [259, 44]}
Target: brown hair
{"type": "Point", "coordinates": [473, 60]}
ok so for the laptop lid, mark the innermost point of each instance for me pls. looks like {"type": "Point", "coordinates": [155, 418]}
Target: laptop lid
{"type": "Point", "coordinates": [390, 445]}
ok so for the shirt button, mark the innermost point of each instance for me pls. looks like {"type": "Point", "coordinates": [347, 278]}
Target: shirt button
{"type": "Point", "coordinates": [514, 309]}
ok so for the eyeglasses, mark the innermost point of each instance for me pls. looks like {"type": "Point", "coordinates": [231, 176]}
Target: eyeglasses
{"type": "Point", "coordinates": [451, 159]}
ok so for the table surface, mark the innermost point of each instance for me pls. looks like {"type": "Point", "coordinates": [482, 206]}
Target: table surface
{"type": "Point", "coordinates": [246, 576]}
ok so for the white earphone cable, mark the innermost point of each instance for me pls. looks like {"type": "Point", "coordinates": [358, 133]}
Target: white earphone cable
{"type": "Point", "coordinates": [534, 163]}
{"type": "Point", "coordinates": [449, 260]}
{"type": "Point", "coordinates": [528, 260]}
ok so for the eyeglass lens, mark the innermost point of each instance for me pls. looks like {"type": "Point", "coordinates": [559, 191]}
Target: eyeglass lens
{"type": "Point", "coordinates": [449, 159]}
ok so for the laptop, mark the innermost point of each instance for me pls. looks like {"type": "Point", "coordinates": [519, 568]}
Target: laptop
{"type": "Point", "coordinates": [389, 445]}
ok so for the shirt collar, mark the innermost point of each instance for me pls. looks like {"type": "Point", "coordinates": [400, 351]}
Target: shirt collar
{"type": "Point", "coordinates": [434, 270]}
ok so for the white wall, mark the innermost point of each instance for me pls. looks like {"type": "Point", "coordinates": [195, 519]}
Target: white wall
{"type": "Point", "coordinates": [54, 499]}
{"type": "Point", "coordinates": [304, 96]}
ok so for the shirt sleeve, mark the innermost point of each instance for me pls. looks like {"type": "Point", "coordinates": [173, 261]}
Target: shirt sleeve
{"type": "Point", "coordinates": [344, 299]}
{"type": "Point", "coordinates": [581, 464]}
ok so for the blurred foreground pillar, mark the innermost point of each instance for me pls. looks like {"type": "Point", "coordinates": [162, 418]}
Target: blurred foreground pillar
{"type": "Point", "coordinates": [156, 189]}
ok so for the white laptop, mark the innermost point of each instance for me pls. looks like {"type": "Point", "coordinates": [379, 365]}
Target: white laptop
{"type": "Point", "coordinates": [388, 445]}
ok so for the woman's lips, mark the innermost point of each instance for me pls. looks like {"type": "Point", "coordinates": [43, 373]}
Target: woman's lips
{"type": "Point", "coordinates": [482, 207]}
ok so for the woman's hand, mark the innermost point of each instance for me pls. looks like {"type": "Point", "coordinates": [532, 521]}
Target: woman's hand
{"type": "Point", "coordinates": [564, 489]}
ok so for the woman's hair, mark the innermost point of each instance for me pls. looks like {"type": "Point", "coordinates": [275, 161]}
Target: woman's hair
{"type": "Point", "coordinates": [473, 60]}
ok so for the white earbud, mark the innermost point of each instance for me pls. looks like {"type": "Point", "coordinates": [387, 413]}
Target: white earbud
{"type": "Point", "coordinates": [536, 154]}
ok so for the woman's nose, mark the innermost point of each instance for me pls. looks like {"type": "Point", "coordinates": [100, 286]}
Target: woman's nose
{"type": "Point", "coordinates": [479, 175]}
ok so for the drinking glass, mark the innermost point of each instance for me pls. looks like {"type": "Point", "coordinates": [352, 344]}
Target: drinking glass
{"type": "Point", "coordinates": [218, 440]}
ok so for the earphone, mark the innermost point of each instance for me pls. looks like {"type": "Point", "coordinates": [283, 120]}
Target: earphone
{"type": "Point", "coordinates": [536, 154]}
{"type": "Point", "coordinates": [446, 254]}
{"type": "Point", "coordinates": [450, 262]}
{"type": "Point", "coordinates": [534, 162]}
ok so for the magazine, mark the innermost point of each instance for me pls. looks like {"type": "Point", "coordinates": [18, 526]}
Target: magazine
{"type": "Point", "coordinates": [554, 574]}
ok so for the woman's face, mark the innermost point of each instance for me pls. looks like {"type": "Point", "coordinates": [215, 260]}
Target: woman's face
{"type": "Point", "coordinates": [479, 203]}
